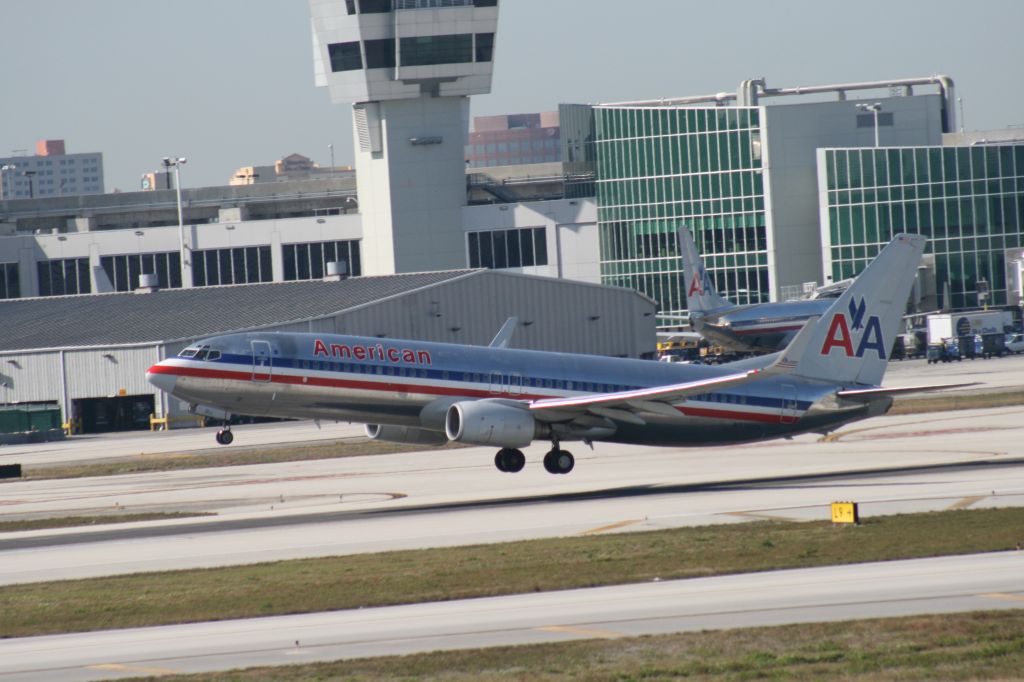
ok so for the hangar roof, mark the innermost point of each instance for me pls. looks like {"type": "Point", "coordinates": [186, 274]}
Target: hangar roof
{"type": "Point", "coordinates": [179, 314]}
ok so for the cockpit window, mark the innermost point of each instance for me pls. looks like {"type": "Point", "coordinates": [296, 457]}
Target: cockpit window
{"type": "Point", "coordinates": [200, 353]}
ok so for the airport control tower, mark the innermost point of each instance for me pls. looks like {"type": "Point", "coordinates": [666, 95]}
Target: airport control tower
{"type": "Point", "coordinates": [408, 68]}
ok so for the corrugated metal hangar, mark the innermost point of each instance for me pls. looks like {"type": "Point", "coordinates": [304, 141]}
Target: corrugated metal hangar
{"type": "Point", "coordinates": [88, 355]}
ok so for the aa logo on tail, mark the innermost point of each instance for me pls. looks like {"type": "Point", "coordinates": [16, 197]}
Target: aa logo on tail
{"type": "Point", "coordinates": [842, 332]}
{"type": "Point", "coordinates": [701, 283]}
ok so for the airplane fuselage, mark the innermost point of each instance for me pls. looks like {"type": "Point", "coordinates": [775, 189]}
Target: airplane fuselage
{"type": "Point", "coordinates": [757, 327]}
{"type": "Point", "coordinates": [413, 383]}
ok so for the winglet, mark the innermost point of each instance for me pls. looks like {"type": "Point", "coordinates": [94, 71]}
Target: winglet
{"type": "Point", "coordinates": [504, 334]}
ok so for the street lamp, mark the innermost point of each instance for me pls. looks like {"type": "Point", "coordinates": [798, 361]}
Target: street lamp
{"type": "Point", "coordinates": [331, 147]}
{"type": "Point", "coordinates": [3, 180]}
{"type": "Point", "coordinates": [176, 164]}
{"type": "Point", "coordinates": [874, 108]}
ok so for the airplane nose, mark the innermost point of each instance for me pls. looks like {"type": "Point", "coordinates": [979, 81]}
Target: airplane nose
{"type": "Point", "coordinates": [159, 378]}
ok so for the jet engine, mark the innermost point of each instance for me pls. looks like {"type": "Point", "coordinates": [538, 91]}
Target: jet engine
{"type": "Point", "coordinates": [405, 434]}
{"type": "Point", "coordinates": [488, 422]}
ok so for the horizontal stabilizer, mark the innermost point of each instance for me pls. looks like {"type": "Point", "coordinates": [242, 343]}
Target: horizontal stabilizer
{"type": "Point", "coordinates": [869, 393]}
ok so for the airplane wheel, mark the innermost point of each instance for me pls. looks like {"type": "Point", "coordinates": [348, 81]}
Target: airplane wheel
{"type": "Point", "coordinates": [225, 437]}
{"type": "Point", "coordinates": [559, 462]}
{"type": "Point", "coordinates": [509, 460]}
{"type": "Point", "coordinates": [515, 461]}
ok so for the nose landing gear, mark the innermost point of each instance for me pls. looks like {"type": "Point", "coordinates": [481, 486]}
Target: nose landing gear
{"type": "Point", "coordinates": [224, 436]}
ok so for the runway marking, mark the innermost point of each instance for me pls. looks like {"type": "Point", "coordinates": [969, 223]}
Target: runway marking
{"type": "Point", "coordinates": [583, 632]}
{"type": "Point", "coordinates": [611, 526]}
{"type": "Point", "coordinates": [133, 669]}
{"type": "Point", "coordinates": [757, 516]}
{"type": "Point", "coordinates": [1003, 595]}
{"type": "Point", "coordinates": [966, 502]}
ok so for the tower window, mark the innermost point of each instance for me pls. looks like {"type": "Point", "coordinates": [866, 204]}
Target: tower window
{"type": "Point", "coordinates": [345, 56]}
{"type": "Point", "coordinates": [374, 6]}
{"type": "Point", "coordinates": [380, 54]}
{"type": "Point", "coordinates": [484, 47]}
{"type": "Point", "coordinates": [428, 50]}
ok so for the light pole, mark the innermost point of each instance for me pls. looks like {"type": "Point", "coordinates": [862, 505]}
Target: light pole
{"type": "Point", "coordinates": [177, 163]}
{"type": "Point", "coordinates": [3, 178]}
{"type": "Point", "coordinates": [874, 108]}
{"type": "Point", "coordinates": [331, 147]}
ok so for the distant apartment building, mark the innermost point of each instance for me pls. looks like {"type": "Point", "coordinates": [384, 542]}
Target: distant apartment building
{"type": "Point", "coordinates": [289, 168]}
{"type": "Point", "coordinates": [514, 139]}
{"type": "Point", "coordinates": [51, 172]}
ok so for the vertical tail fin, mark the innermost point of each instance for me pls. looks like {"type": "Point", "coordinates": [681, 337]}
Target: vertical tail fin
{"type": "Point", "coordinates": [700, 291]}
{"type": "Point", "coordinates": [850, 343]}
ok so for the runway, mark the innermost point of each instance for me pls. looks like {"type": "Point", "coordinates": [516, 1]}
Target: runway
{"type": "Point", "coordinates": [455, 497]}
{"type": "Point", "coordinates": [899, 588]}
{"type": "Point", "coordinates": [448, 497]}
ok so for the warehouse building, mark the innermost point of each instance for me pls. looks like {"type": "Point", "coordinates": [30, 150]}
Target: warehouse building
{"type": "Point", "coordinates": [88, 355]}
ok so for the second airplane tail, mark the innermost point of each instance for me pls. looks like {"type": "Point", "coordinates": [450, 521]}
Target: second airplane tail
{"type": "Point", "coordinates": [850, 342]}
{"type": "Point", "coordinates": [701, 296]}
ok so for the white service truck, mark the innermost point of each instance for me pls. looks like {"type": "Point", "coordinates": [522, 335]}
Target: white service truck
{"type": "Point", "coordinates": [984, 328]}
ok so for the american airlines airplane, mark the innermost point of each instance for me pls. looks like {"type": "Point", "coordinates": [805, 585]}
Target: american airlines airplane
{"type": "Point", "coordinates": [757, 327]}
{"type": "Point", "coordinates": [432, 393]}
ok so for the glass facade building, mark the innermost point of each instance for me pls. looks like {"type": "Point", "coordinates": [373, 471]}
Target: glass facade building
{"type": "Point", "coordinates": [662, 167]}
{"type": "Point", "coordinates": [968, 201]}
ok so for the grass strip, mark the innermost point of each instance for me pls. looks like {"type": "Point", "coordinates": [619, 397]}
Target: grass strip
{"type": "Point", "coordinates": [311, 585]}
{"type": "Point", "coordinates": [964, 646]}
{"type": "Point", "coordinates": [71, 521]}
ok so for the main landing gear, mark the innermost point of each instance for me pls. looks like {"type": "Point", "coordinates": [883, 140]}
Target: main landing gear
{"type": "Point", "coordinates": [557, 461]}
{"type": "Point", "coordinates": [510, 460]}
{"type": "Point", "coordinates": [224, 436]}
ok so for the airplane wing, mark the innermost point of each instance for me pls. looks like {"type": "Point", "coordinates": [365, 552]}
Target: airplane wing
{"type": "Point", "coordinates": [622, 404]}
{"type": "Point", "coordinates": [867, 394]}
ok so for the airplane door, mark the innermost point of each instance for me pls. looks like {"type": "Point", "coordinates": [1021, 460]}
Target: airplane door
{"type": "Point", "coordinates": [262, 364]}
{"type": "Point", "coordinates": [509, 384]}
{"type": "Point", "coordinates": [789, 404]}
{"type": "Point", "coordinates": [515, 383]}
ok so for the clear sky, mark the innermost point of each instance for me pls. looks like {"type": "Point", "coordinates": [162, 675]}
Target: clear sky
{"type": "Point", "coordinates": [229, 83]}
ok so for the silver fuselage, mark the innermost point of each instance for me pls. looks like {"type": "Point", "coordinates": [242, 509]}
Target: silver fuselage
{"type": "Point", "coordinates": [412, 383]}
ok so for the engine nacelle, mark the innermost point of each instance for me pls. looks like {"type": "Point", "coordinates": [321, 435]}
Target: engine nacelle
{"type": "Point", "coordinates": [405, 434]}
{"type": "Point", "coordinates": [487, 422]}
